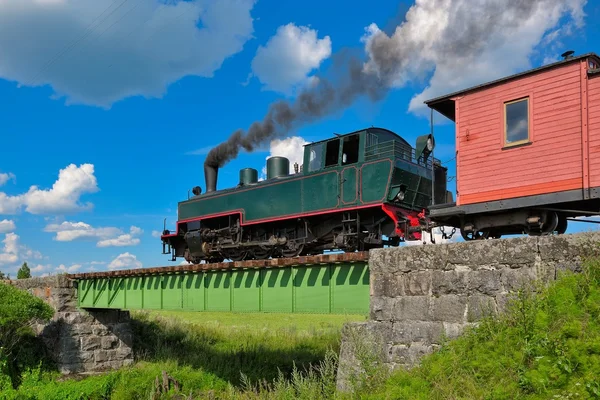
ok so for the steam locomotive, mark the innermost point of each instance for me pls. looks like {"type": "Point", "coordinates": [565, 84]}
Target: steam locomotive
{"type": "Point", "coordinates": [525, 147]}
{"type": "Point", "coordinates": [351, 191]}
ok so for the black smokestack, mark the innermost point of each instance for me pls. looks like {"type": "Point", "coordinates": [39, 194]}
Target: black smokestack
{"type": "Point", "coordinates": [210, 177]}
{"type": "Point", "coordinates": [444, 35]}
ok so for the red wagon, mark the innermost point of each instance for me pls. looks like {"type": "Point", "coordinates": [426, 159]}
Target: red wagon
{"type": "Point", "coordinates": [527, 150]}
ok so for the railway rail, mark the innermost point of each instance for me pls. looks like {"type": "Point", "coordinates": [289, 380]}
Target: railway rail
{"type": "Point", "coordinates": [233, 265]}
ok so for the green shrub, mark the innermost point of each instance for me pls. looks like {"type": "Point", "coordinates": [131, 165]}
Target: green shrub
{"type": "Point", "coordinates": [17, 309]}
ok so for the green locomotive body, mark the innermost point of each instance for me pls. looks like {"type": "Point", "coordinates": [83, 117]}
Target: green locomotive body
{"type": "Point", "coordinates": [350, 192]}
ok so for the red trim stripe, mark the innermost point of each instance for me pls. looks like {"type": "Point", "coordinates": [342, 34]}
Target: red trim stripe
{"type": "Point", "coordinates": [299, 215]}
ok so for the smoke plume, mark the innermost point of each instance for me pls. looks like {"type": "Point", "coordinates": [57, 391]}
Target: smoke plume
{"type": "Point", "coordinates": [455, 31]}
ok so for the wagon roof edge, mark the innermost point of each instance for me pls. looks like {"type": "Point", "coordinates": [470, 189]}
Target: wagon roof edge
{"type": "Point", "coordinates": [431, 103]}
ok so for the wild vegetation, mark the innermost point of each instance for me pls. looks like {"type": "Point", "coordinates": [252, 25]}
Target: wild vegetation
{"type": "Point", "coordinates": [18, 344]}
{"type": "Point", "coordinates": [546, 346]}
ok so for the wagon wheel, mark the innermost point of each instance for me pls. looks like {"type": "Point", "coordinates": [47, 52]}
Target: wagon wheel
{"type": "Point", "coordinates": [475, 235]}
{"type": "Point", "coordinates": [548, 226]}
{"type": "Point", "coordinates": [561, 228]}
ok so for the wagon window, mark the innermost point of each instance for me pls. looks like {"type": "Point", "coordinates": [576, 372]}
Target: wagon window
{"type": "Point", "coordinates": [332, 155]}
{"type": "Point", "coordinates": [316, 158]}
{"type": "Point", "coordinates": [516, 114]}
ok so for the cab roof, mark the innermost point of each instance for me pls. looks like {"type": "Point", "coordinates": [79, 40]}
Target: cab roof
{"type": "Point", "coordinates": [370, 129]}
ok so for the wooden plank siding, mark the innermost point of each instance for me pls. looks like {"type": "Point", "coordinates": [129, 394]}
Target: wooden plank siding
{"type": "Point", "coordinates": [551, 162]}
{"type": "Point", "coordinates": [594, 128]}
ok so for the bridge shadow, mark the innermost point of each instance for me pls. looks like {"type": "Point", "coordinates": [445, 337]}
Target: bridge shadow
{"type": "Point", "coordinates": [228, 354]}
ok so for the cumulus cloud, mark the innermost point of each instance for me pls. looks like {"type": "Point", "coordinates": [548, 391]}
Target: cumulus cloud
{"type": "Point", "coordinates": [7, 225]}
{"type": "Point", "coordinates": [69, 270]}
{"type": "Point", "coordinates": [40, 269]}
{"type": "Point", "coordinates": [448, 39]}
{"type": "Point", "coordinates": [285, 62]}
{"type": "Point", "coordinates": [13, 252]}
{"type": "Point", "coordinates": [98, 52]}
{"type": "Point", "coordinates": [64, 196]}
{"type": "Point", "coordinates": [68, 231]}
{"type": "Point", "coordinates": [125, 261]}
{"type": "Point", "coordinates": [290, 148]}
{"type": "Point", "coordinates": [10, 252]}
{"type": "Point", "coordinates": [6, 176]}
{"type": "Point", "coordinates": [128, 239]}
{"type": "Point", "coordinates": [156, 234]}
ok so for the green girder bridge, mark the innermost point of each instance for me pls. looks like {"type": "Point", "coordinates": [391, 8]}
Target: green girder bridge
{"type": "Point", "coordinates": [322, 284]}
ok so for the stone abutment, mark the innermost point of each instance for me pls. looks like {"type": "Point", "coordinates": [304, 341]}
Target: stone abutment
{"type": "Point", "coordinates": [421, 294]}
{"type": "Point", "coordinates": [80, 341]}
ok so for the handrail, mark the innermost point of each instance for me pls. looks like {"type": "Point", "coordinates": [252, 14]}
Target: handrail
{"type": "Point", "coordinates": [395, 149]}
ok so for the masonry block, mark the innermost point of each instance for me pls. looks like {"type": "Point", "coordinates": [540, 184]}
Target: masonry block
{"type": "Point", "coordinates": [421, 294]}
{"type": "Point", "coordinates": [78, 340]}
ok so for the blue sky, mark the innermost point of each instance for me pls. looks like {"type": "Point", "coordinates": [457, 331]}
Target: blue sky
{"type": "Point", "coordinates": [123, 99]}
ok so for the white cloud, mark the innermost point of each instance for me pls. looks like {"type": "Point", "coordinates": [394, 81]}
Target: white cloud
{"type": "Point", "coordinates": [7, 225]}
{"type": "Point", "coordinates": [69, 231]}
{"type": "Point", "coordinates": [40, 269]}
{"type": "Point", "coordinates": [105, 236]}
{"type": "Point", "coordinates": [6, 176]}
{"type": "Point", "coordinates": [63, 197]}
{"type": "Point", "coordinates": [99, 52]}
{"type": "Point", "coordinates": [124, 261]}
{"type": "Point", "coordinates": [290, 148]}
{"type": "Point", "coordinates": [156, 234]}
{"type": "Point", "coordinates": [128, 239]}
{"type": "Point", "coordinates": [289, 56]}
{"type": "Point", "coordinates": [28, 254]}
{"type": "Point", "coordinates": [465, 43]}
{"type": "Point", "coordinates": [71, 269]}
{"type": "Point", "coordinates": [10, 252]}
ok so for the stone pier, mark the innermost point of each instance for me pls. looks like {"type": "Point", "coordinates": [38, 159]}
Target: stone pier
{"type": "Point", "coordinates": [80, 341]}
{"type": "Point", "coordinates": [420, 294]}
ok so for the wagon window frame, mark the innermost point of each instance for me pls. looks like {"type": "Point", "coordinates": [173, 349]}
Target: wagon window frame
{"type": "Point", "coordinates": [525, 140]}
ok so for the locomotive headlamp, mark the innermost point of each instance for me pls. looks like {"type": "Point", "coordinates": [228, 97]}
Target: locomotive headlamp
{"type": "Point", "coordinates": [430, 143]}
{"type": "Point", "coordinates": [401, 194]}
{"type": "Point", "coordinates": [425, 145]}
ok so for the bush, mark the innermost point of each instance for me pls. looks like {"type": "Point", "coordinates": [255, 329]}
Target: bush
{"type": "Point", "coordinates": [18, 308]}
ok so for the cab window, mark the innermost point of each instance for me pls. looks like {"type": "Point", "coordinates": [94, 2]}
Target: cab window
{"type": "Point", "coordinates": [350, 150]}
{"type": "Point", "coordinates": [316, 158]}
{"type": "Point", "coordinates": [332, 154]}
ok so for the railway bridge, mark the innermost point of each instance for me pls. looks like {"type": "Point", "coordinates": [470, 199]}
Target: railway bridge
{"type": "Point", "coordinates": [323, 284]}
{"type": "Point", "coordinates": [414, 295]}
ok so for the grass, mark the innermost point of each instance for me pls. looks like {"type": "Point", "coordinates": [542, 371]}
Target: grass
{"type": "Point", "coordinates": [547, 346]}
{"type": "Point", "coordinates": [217, 354]}
{"type": "Point", "coordinates": [255, 345]}
{"type": "Point", "coordinates": [301, 324]}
